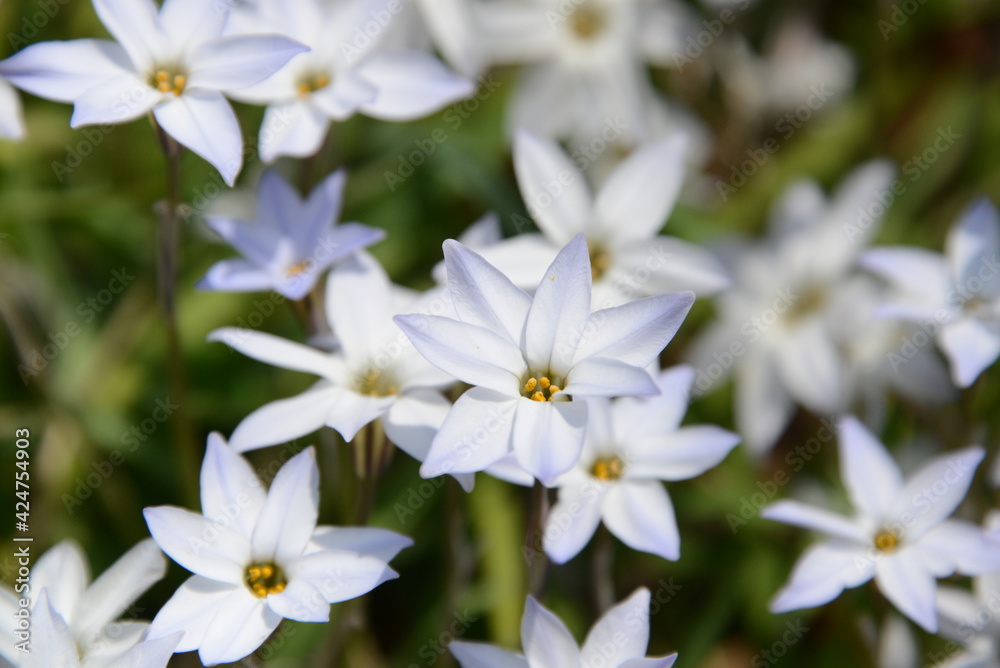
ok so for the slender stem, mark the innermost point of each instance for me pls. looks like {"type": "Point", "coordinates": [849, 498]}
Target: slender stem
{"type": "Point", "coordinates": [538, 562]}
{"type": "Point", "coordinates": [601, 570]}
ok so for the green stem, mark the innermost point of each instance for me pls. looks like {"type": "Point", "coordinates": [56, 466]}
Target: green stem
{"type": "Point", "coordinates": [538, 566]}
{"type": "Point", "coordinates": [601, 570]}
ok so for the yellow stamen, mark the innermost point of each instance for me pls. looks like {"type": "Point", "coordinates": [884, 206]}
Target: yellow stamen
{"type": "Point", "coordinates": [167, 82]}
{"type": "Point", "coordinates": [538, 396]}
{"type": "Point", "coordinates": [608, 468]}
{"type": "Point", "coordinates": [587, 21]}
{"type": "Point", "coordinates": [544, 382]}
{"type": "Point", "coordinates": [552, 390]}
{"type": "Point", "coordinates": [886, 541]}
{"type": "Point", "coordinates": [541, 388]}
{"type": "Point", "coordinates": [531, 385]}
{"type": "Point", "coordinates": [297, 268]}
{"type": "Point", "coordinates": [265, 579]}
{"type": "Point", "coordinates": [312, 84]}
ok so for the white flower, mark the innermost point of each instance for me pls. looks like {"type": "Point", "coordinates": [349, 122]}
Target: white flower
{"type": "Point", "coordinates": [529, 358]}
{"type": "Point", "coordinates": [631, 445]}
{"type": "Point", "coordinates": [618, 639]}
{"type": "Point", "coordinates": [172, 61]}
{"type": "Point", "coordinates": [293, 241]}
{"type": "Point", "coordinates": [899, 536]}
{"type": "Point", "coordinates": [258, 556]}
{"type": "Point", "coordinates": [76, 618]}
{"type": "Point", "coordinates": [777, 327]}
{"type": "Point", "coordinates": [956, 294]}
{"type": "Point", "coordinates": [341, 76]}
{"type": "Point", "coordinates": [621, 222]}
{"type": "Point", "coordinates": [11, 113]}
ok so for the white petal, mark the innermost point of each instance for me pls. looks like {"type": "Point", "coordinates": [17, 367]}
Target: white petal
{"type": "Point", "coordinates": [641, 515]}
{"type": "Point", "coordinates": [190, 23]}
{"type": "Point", "coordinates": [919, 271]}
{"type": "Point", "coordinates": [625, 628]}
{"type": "Point", "coordinates": [934, 492]}
{"type": "Point", "coordinates": [548, 436]}
{"type": "Point", "coordinates": [410, 85]}
{"type": "Point", "coordinates": [295, 129]}
{"type": "Point", "coordinates": [972, 247]}
{"type": "Point", "coordinates": [63, 71]}
{"type": "Point", "coordinates": [414, 420]}
{"type": "Point", "coordinates": [870, 475]}
{"type": "Point", "coordinates": [658, 415]}
{"type": "Point", "coordinates": [604, 377]}
{"type": "Point", "coordinates": [148, 654]}
{"type": "Point", "coordinates": [476, 433]}
{"type": "Point", "coordinates": [191, 610]}
{"type": "Point", "coordinates": [763, 407]}
{"type": "Point", "coordinates": [553, 189]}
{"type": "Point", "coordinates": [815, 519]}
{"type": "Point", "coordinates": [352, 411]}
{"type": "Point", "coordinates": [635, 333]}
{"type": "Point", "coordinates": [663, 264]}
{"type": "Point", "coordinates": [473, 354]}
{"type": "Point", "coordinates": [812, 367]}
{"type": "Point", "coordinates": [11, 112]}
{"type": "Point", "coordinates": [64, 572]}
{"type": "Point", "coordinates": [234, 275]}
{"type": "Point", "coordinates": [638, 196]}
{"type": "Point", "coordinates": [558, 317]}
{"type": "Point", "coordinates": [909, 586]}
{"type": "Point", "coordinates": [117, 588]}
{"type": "Point", "coordinates": [365, 541]}
{"type": "Point", "coordinates": [228, 479]}
{"type": "Point", "coordinates": [345, 96]}
{"type": "Point", "coordinates": [239, 61]}
{"type": "Point", "coordinates": [241, 624]}
{"type": "Point", "coordinates": [285, 420]}
{"type": "Point", "coordinates": [287, 520]}
{"type": "Point", "coordinates": [658, 662]}
{"type": "Point", "coordinates": [117, 100]}
{"type": "Point", "coordinates": [300, 601]}
{"type": "Point", "coordinates": [359, 304]}
{"type": "Point", "coordinates": [341, 576]}
{"type": "Point", "coordinates": [203, 121]}
{"type": "Point", "coordinates": [214, 550]}
{"type": "Point", "coordinates": [686, 453]}
{"type": "Point", "coordinates": [957, 546]}
{"type": "Point", "coordinates": [482, 295]}
{"type": "Point", "coordinates": [821, 573]}
{"type": "Point", "coordinates": [546, 640]}
{"type": "Point", "coordinates": [573, 519]}
{"type": "Point", "coordinates": [58, 648]}
{"type": "Point", "coordinates": [136, 26]}
{"type": "Point", "coordinates": [259, 242]}
{"type": "Point", "coordinates": [481, 655]}
{"type": "Point", "coordinates": [970, 347]}
{"type": "Point", "coordinates": [279, 352]}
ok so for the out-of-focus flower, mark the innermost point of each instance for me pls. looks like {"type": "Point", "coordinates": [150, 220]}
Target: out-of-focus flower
{"type": "Point", "coordinates": [530, 359]}
{"type": "Point", "coordinates": [11, 113]}
{"type": "Point", "coordinates": [777, 326]}
{"type": "Point", "coordinates": [900, 535]}
{"type": "Point", "coordinates": [345, 73]}
{"type": "Point", "coordinates": [956, 295]}
{"type": "Point", "coordinates": [631, 445]}
{"type": "Point", "coordinates": [172, 61]}
{"type": "Point", "coordinates": [73, 620]}
{"type": "Point", "coordinates": [269, 561]}
{"type": "Point", "coordinates": [292, 242]}
{"type": "Point", "coordinates": [617, 640]}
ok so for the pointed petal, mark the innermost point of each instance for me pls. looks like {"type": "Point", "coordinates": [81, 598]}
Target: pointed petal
{"type": "Point", "coordinates": [663, 264]}
{"type": "Point", "coordinates": [63, 71]}
{"type": "Point", "coordinates": [203, 121]}
{"type": "Point", "coordinates": [658, 415]}
{"type": "Point", "coordinates": [635, 333]}
{"type": "Point", "coordinates": [63, 571]}
{"type": "Point", "coordinates": [190, 23]}
{"type": "Point", "coordinates": [559, 313]}
{"type": "Point", "coordinates": [812, 368]}
{"type": "Point", "coordinates": [957, 546]}
{"type": "Point", "coordinates": [359, 305]}
{"type": "Point", "coordinates": [909, 586]}
{"type": "Point", "coordinates": [636, 199]}
{"type": "Point", "coordinates": [604, 377]}
{"type": "Point", "coordinates": [971, 347]}
{"type": "Point", "coordinates": [234, 275]}
{"type": "Point", "coordinates": [241, 624]}
{"type": "Point", "coordinates": [279, 352]}
{"type": "Point", "coordinates": [553, 189]}
{"type": "Point", "coordinates": [410, 85]}
{"type": "Point", "coordinates": [763, 407]}
{"type": "Point", "coordinates": [972, 246]}
{"type": "Point", "coordinates": [148, 653]}
{"type": "Point", "coordinates": [414, 420]}
{"type": "Point", "coordinates": [481, 655]}
{"type": "Point", "coordinates": [352, 411]}
{"type": "Point", "coordinates": [548, 436]}
{"type": "Point", "coordinates": [546, 640]}
{"type": "Point", "coordinates": [285, 420]}
{"type": "Point", "coordinates": [58, 648]}
{"type": "Point", "coordinates": [625, 627]}
{"type": "Point", "coordinates": [293, 129]}
{"type": "Point", "coordinates": [239, 61]}
{"type": "Point", "coordinates": [11, 112]}
{"type": "Point", "coordinates": [821, 573]}
{"type": "Point", "coordinates": [365, 541]}
{"type": "Point", "coordinates": [288, 518]}
{"type": "Point", "coordinates": [227, 479]}
{"type": "Point", "coordinates": [815, 519]}
{"type": "Point", "coordinates": [135, 25]}
{"type": "Point", "coordinates": [574, 518]}
{"type": "Point", "coordinates": [658, 662]}
{"type": "Point", "coordinates": [686, 453]}
{"type": "Point", "coordinates": [918, 271]}
{"type": "Point", "coordinates": [190, 611]}
{"type": "Point", "coordinates": [341, 576]}
{"type": "Point", "coordinates": [199, 544]}
{"type": "Point", "coordinates": [118, 100]}
{"type": "Point", "coordinates": [258, 241]}
{"type": "Point", "coordinates": [482, 295]}
{"type": "Point", "coordinates": [870, 475]}
{"type": "Point", "coordinates": [641, 515]}
{"type": "Point", "coordinates": [476, 433]}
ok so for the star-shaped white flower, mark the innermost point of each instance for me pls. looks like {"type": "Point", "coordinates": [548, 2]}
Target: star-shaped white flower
{"type": "Point", "coordinates": [529, 359]}
{"type": "Point", "coordinates": [631, 445]}
{"type": "Point", "coordinates": [74, 618]}
{"type": "Point", "coordinates": [900, 534]}
{"type": "Point", "coordinates": [341, 76]}
{"type": "Point", "coordinates": [618, 640]}
{"type": "Point", "coordinates": [957, 294]}
{"type": "Point", "coordinates": [292, 242]}
{"type": "Point", "coordinates": [171, 60]}
{"type": "Point", "coordinates": [258, 556]}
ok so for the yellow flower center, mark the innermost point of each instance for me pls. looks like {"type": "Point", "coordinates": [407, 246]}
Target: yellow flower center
{"type": "Point", "coordinates": [607, 469]}
{"type": "Point", "coordinates": [541, 388]}
{"type": "Point", "coordinates": [886, 541]}
{"type": "Point", "coordinates": [373, 383]}
{"type": "Point", "coordinates": [298, 268]}
{"type": "Point", "coordinates": [587, 21]}
{"type": "Point", "coordinates": [265, 579]}
{"type": "Point", "coordinates": [312, 83]}
{"type": "Point", "coordinates": [169, 81]}
{"type": "Point", "coordinates": [600, 260]}
{"type": "Point", "coordinates": [812, 300]}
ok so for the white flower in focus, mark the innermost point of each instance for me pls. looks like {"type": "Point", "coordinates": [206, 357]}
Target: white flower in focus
{"type": "Point", "coordinates": [342, 75]}
{"type": "Point", "coordinates": [955, 295]}
{"type": "Point", "coordinates": [617, 640]}
{"type": "Point", "coordinates": [900, 534]}
{"type": "Point", "coordinates": [631, 445]}
{"type": "Point", "coordinates": [269, 561]}
{"type": "Point", "coordinates": [172, 61]}
{"type": "Point", "coordinates": [75, 618]}
{"type": "Point", "coordinates": [292, 242]}
{"type": "Point", "coordinates": [530, 359]}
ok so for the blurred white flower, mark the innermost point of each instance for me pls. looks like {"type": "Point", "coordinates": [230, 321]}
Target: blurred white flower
{"type": "Point", "coordinates": [955, 296]}
{"type": "Point", "coordinates": [631, 445]}
{"type": "Point", "coordinates": [172, 61]}
{"type": "Point", "coordinates": [777, 327]}
{"type": "Point", "coordinates": [258, 556]}
{"type": "Point", "coordinates": [617, 640]}
{"type": "Point", "coordinates": [900, 534]}
{"type": "Point", "coordinates": [11, 113]}
{"type": "Point", "coordinates": [292, 242]}
{"type": "Point", "coordinates": [529, 358]}
{"type": "Point", "coordinates": [346, 72]}
{"type": "Point", "coordinates": [73, 620]}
